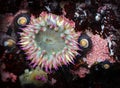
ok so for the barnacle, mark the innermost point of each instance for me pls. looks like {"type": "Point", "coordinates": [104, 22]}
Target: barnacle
{"type": "Point", "coordinates": [50, 41]}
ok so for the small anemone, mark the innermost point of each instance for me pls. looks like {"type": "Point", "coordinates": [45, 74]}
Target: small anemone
{"type": "Point", "coordinates": [85, 43]}
{"type": "Point", "coordinates": [50, 41]}
{"type": "Point", "coordinates": [21, 19]}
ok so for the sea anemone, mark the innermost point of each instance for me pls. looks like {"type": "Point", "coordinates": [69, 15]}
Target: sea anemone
{"type": "Point", "coordinates": [50, 41]}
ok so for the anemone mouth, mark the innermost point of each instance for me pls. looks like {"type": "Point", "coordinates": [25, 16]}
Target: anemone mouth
{"type": "Point", "coordinates": [50, 41]}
